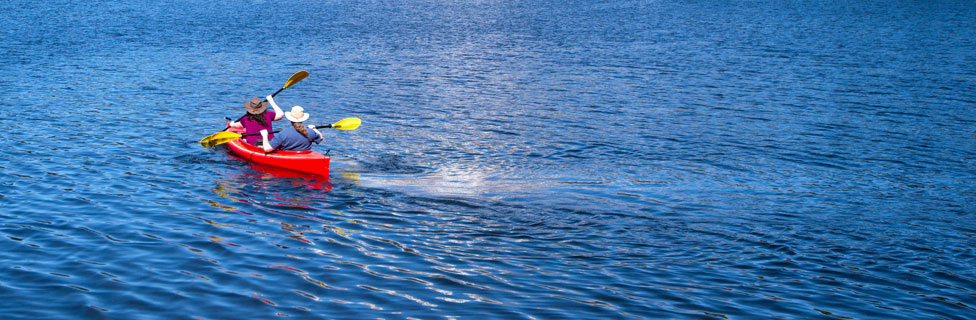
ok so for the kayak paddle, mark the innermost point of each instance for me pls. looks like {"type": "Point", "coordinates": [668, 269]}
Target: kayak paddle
{"type": "Point", "coordinates": [227, 136]}
{"type": "Point", "coordinates": [219, 137]}
{"type": "Point", "coordinates": [344, 124]}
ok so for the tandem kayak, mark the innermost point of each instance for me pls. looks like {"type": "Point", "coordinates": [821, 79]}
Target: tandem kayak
{"type": "Point", "coordinates": [307, 161]}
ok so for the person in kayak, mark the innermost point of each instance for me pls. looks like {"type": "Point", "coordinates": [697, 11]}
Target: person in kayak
{"type": "Point", "coordinates": [296, 137]}
{"type": "Point", "coordinates": [258, 118]}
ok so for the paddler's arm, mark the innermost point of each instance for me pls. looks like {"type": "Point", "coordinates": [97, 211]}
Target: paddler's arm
{"type": "Point", "coordinates": [267, 144]}
{"type": "Point", "coordinates": [316, 131]}
{"type": "Point", "coordinates": [278, 113]}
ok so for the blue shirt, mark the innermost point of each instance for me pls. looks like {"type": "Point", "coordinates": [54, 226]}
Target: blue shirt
{"type": "Point", "coordinates": [291, 139]}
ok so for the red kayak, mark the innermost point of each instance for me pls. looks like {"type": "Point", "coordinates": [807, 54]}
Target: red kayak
{"type": "Point", "coordinates": [307, 161]}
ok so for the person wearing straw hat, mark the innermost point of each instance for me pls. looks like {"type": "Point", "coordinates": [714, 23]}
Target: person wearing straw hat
{"type": "Point", "coordinates": [258, 118]}
{"type": "Point", "coordinates": [296, 137]}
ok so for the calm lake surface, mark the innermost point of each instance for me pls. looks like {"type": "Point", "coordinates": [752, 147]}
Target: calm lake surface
{"type": "Point", "coordinates": [517, 160]}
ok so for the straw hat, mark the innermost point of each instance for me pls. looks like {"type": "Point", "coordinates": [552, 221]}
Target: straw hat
{"type": "Point", "coordinates": [256, 106]}
{"type": "Point", "coordinates": [297, 114]}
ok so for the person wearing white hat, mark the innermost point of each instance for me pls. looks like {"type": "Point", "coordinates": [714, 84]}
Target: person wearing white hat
{"type": "Point", "coordinates": [296, 137]}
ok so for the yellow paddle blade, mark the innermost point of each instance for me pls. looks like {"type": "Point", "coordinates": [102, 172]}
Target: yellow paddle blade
{"type": "Point", "coordinates": [295, 78]}
{"type": "Point", "coordinates": [347, 124]}
{"type": "Point", "coordinates": [219, 138]}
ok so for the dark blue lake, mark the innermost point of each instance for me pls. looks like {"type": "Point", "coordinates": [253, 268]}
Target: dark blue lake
{"type": "Point", "coordinates": [517, 160]}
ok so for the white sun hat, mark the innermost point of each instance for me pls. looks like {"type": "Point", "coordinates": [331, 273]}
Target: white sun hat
{"type": "Point", "coordinates": [297, 114]}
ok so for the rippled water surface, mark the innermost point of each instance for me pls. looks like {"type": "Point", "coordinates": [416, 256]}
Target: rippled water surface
{"type": "Point", "coordinates": [517, 159]}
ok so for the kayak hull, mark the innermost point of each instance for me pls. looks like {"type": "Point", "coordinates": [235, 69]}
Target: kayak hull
{"type": "Point", "coordinates": [307, 161]}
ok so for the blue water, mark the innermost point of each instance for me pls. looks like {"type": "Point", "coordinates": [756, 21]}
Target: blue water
{"type": "Point", "coordinates": [517, 160]}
